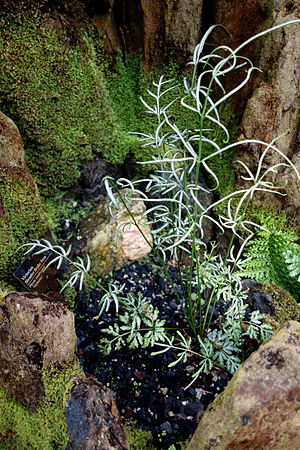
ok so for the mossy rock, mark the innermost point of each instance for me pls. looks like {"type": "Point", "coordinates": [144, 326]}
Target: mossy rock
{"type": "Point", "coordinates": [286, 307]}
{"type": "Point", "coordinates": [46, 429]}
{"type": "Point", "coordinates": [5, 289]}
{"type": "Point", "coordinates": [52, 85]}
{"type": "Point", "coordinates": [22, 220]}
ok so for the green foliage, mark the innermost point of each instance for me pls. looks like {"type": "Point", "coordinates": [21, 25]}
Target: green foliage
{"type": "Point", "coordinates": [292, 260]}
{"type": "Point", "coordinates": [273, 255]}
{"type": "Point", "coordinates": [137, 438]}
{"type": "Point", "coordinates": [184, 154]}
{"type": "Point", "coordinates": [140, 325]}
{"type": "Point", "coordinates": [23, 220]}
{"type": "Point", "coordinates": [221, 346]}
{"type": "Point", "coordinates": [58, 210]}
{"type": "Point", "coordinates": [46, 428]}
{"type": "Point", "coordinates": [178, 220]}
{"type": "Point", "coordinates": [223, 164]}
{"type": "Point", "coordinates": [52, 85]}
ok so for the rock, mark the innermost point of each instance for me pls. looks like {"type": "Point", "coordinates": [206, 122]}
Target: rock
{"type": "Point", "coordinates": [163, 30]}
{"type": "Point", "coordinates": [269, 104]}
{"type": "Point", "coordinates": [170, 26]}
{"type": "Point", "coordinates": [259, 408]}
{"type": "Point", "coordinates": [114, 241]}
{"type": "Point", "coordinates": [91, 181]}
{"type": "Point", "coordinates": [236, 16]}
{"type": "Point", "coordinates": [11, 145]}
{"type": "Point", "coordinates": [272, 300]}
{"type": "Point", "coordinates": [93, 418]}
{"type": "Point", "coordinates": [274, 106]}
{"type": "Point", "coordinates": [36, 331]}
{"type": "Point", "coordinates": [20, 209]}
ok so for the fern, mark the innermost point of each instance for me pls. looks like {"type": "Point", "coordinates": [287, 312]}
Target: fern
{"type": "Point", "coordinates": [292, 260]}
{"type": "Point", "coordinates": [273, 257]}
{"type": "Point", "coordinates": [138, 326]}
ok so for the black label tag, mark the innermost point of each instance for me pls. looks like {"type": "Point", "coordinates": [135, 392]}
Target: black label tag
{"type": "Point", "coordinates": [32, 273]}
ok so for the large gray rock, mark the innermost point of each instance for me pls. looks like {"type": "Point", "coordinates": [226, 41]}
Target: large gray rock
{"type": "Point", "coordinates": [114, 240]}
{"type": "Point", "coordinates": [93, 418]}
{"type": "Point", "coordinates": [259, 408]}
{"type": "Point", "coordinates": [36, 331]}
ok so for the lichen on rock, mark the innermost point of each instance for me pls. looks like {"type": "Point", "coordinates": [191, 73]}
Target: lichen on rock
{"type": "Point", "coordinates": [118, 238]}
{"type": "Point", "coordinates": [259, 408]}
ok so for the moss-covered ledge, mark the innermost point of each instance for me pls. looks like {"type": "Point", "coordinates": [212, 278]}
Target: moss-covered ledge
{"type": "Point", "coordinates": [46, 428]}
{"type": "Point", "coordinates": [21, 217]}
{"type": "Point", "coordinates": [53, 86]}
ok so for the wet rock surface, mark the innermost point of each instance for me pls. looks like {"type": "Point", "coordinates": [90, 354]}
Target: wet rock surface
{"type": "Point", "coordinates": [259, 409]}
{"type": "Point", "coordinates": [35, 331]}
{"type": "Point", "coordinates": [93, 418]}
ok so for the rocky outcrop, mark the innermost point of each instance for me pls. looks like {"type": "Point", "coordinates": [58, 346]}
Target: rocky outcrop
{"type": "Point", "coordinates": [93, 418]}
{"type": "Point", "coordinates": [20, 210]}
{"type": "Point", "coordinates": [259, 408]}
{"type": "Point", "coordinates": [274, 107]}
{"type": "Point", "coordinates": [112, 238]}
{"type": "Point", "coordinates": [172, 26]}
{"type": "Point", "coordinates": [163, 30]}
{"type": "Point", "coordinates": [36, 332]}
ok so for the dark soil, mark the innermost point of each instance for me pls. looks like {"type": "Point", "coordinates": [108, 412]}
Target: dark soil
{"type": "Point", "coordinates": [147, 390]}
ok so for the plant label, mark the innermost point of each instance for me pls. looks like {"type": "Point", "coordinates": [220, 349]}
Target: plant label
{"type": "Point", "coordinates": [34, 274]}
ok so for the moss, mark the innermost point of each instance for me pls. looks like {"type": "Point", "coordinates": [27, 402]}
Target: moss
{"type": "Point", "coordinates": [286, 308]}
{"type": "Point", "coordinates": [130, 81]}
{"type": "Point", "coordinates": [23, 220]}
{"type": "Point", "coordinates": [52, 85]}
{"type": "Point", "coordinates": [137, 438]}
{"type": "Point", "coordinates": [70, 295]}
{"type": "Point", "coordinates": [223, 164]}
{"type": "Point", "coordinates": [5, 289]}
{"type": "Point", "coordinates": [46, 429]}
{"type": "Point", "coordinates": [58, 210]}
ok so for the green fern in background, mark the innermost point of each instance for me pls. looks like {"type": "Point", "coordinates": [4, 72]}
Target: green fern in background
{"type": "Point", "coordinates": [292, 260]}
{"type": "Point", "coordinates": [274, 255]}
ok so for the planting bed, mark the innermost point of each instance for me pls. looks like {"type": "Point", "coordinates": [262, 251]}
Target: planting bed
{"type": "Point", "coordinates": [156, 397]}
{"type": "Point", "coordinates": [147, 390]}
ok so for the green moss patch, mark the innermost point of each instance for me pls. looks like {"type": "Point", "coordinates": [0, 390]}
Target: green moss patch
{"type": "Point", "coordinates": [52, 86]}
{"type": "Point", "coordinates": [137, 438]}
{"type": "Point", "coordinates": [46, 429]}
{"type": "Point", "coordinates": [286, 308]}
{"type": "Point", "coordinates": [23, 219]}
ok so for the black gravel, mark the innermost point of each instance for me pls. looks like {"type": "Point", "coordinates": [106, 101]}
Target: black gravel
{"type": "Point", "coordinates": [147, 390]}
